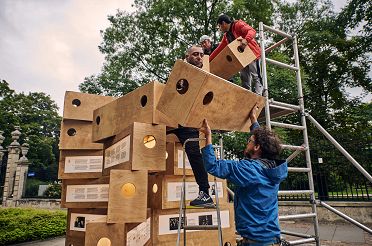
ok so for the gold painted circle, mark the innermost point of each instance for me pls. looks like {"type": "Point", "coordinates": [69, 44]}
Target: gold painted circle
{"type": "Point", "coordinates": [128, 190]}
{"type": "Point", "coordinates": [149, 141]}
{"type": "Point", "coordinates": [104, 242]}
{"type": "Point", "coordinates": [155, 188]}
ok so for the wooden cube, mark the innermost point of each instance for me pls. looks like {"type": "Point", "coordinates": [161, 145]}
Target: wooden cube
{"type": "Point", "coordinates": [128, 196]}
{"type": "Point", "coordinates": [136, 106]}
{"type": "Point", "coordinates": [165, 190]}
{"type": "Point", "coordinates": [80, 164]}
{"type": "Point", "coordinates": [80, 106]}
{"type": "Point", "coordinates": [192, 95]}
{"type": "Point", "coordinates": [85, 193]}
{"type": "Point", "coordinates": [165, 226]}
{"type": "Point", "coordinates": [76, 134]}
{"type": "Point", "coordinates": [231, 60]}
{"type": "Point", "coordinates": [139, 147]}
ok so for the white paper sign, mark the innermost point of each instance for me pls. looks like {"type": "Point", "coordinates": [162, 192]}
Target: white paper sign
{"type": "Point", "coordinates": [192, 190]}
{"type": "Point", "coordinates": [118, 153]}
{"type": "Point", "coordinates": [180, 160]}
{"type": "Point", "coordinates": [140, 234]}
{"type": "Point", "coordinates": [83, 164]}
{"type": "Point", "coordinates": [168, 224]}
{"type": "Point", "coordinates": [78, 221]}
{"type": "Point", "coordinates": [87, 193]}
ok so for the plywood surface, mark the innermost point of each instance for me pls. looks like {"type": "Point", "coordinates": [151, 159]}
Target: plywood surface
{"type": "Point", "coordinates": [103, 234]}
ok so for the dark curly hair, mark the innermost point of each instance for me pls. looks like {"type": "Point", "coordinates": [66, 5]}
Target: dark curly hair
{"type": "Point", "coordinates": [268, 141]}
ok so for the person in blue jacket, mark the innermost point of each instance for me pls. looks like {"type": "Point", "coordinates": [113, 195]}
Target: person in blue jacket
{"type": "Point", "coordinates": [257, 179]}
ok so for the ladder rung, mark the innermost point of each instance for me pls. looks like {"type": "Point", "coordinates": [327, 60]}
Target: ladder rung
{"type": "Point", "coordinates": [201, 227]}
{"type": "Point", "coordinates": [299, 169]}
{"type": "Point", "coordinates": [284, 125]}
{"type": "Point", "coordinates": [294, 192]}
{"type": "Point", "coordinates": [297, 216]}
{"type": "Point", "coordinates": [273, 103]}
{"type": "Point", "coordinates": [296, 234]}
{"type": "Point", "coordinates": [293, 147]}
{"type": "Point", "coordinates": [281, 64]}
{"type": "Point", "coordinates": [302, 241]}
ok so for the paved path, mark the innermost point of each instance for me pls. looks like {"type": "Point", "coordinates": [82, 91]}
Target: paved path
{"type": "Point", "coordinates": [330, 234]}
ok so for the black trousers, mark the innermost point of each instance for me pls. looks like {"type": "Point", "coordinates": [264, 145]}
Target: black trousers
{"type": "Point", "coordinates": [193, 153]}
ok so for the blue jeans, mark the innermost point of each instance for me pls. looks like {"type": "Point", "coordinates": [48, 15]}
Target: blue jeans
{"type": "Point", "coordinates": [274, 241]}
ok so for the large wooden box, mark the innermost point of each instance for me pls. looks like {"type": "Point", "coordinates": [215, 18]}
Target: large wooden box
{"type": "Point", "coordinates": [77, 134]}
{"type": "Point", "coordinates": [80, 164]}
{"type": "Point", "coordinates": [165, 190]}
{"type": "Point", "coordinates": [231, 60]}
{"type": "Point", "coordinates": [139, 147]}
{"type": "Point", "coordinates": [165, 226]}
{"type": "Point", "coordinates": [175, 160]}
{"type": "Point", "coordinates": [128, 196]}
{"type": "Point", "coordinates": [192, 95]}
{"type": "Point", "coordinates": [136, 106]}
{"type": "Point", "coordinates": [80, 106]}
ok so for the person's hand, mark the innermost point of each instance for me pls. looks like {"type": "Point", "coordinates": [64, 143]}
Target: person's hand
{"type": "Point", "coordinates": [253, 113]}
{"type": "Point", "coordinates": [207, 131]}
{"type": "Point", "coordinates": [243, 44]}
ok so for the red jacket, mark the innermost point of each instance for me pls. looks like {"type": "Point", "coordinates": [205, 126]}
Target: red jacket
{"type": "Point", "coordinates": [240, 29]}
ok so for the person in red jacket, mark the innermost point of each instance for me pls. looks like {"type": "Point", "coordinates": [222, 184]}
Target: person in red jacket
{"type": "Point", "coordinates": [233, 30]}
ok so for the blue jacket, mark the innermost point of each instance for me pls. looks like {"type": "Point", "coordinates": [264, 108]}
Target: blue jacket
{"type": "Point", "coordinates": [255, 202]}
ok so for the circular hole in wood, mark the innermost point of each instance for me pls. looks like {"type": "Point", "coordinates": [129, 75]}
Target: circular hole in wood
{"type": "Point", "coordinates": [70, 244]}
{"type": "Point", "coordinates": [76, 102]}
{"type": "Point", "coordinates": [182, 86]}
{"type": "Point", "coordinates": [229, 58]}
{"type": "Point", "coordinates": [104, 242]}
{"type": "Point", "coordinates": [227, 244]}
{"type": "Point", "coordinates": [155, 188]}
{"type": "Point", "coordinates": [143, 100]}
{"type": "Point", "coordinates": [208, 98]}
{"type": "Point", "coordinates": [71, 132]}
{"type": "Point", "coordinates": [98, 120]}
{"type": "Point", "coordinates": [166, 155]}
{"type": "Point", "coordinates": [128, 190]}
{"type": "Point", "coordinates": [240, 49]}
{"type": "Point", "coordinates": [149, 141]}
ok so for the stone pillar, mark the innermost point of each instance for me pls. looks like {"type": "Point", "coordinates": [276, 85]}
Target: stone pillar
{"type": "Point", "coordinates": [13, 158]}
{"type": "Point", "coordinates": [21, 174]}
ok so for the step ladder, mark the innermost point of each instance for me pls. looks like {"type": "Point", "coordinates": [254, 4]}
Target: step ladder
{"type": "Point", "coordinates": [182, 219]}
{"type": "Point", "coordinates": [297, 149]}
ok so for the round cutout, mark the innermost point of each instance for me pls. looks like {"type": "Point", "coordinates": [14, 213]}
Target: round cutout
{"type": "Point", "coordinates": [149, 141]}
{"type": "Point", "coordinates": [143, 100]}
{"type": "Point", "coordinates": [76, 102]}
{"type": "Point", "coordinates": [208, 98]}
{"type": "Point", "coordinates": [104, 242]}
{"type": "Point", "coordinates": [71, 132]}
{"type": "Point", "coordinates": [227, 244]}
{"type": "Point", "coordinates": [182, 86]}
{"type": "Point", "coordinates": [98, 120]}
{"type": "Point", "coordinates": [155, 188]}
{"type": "Point", "coordinates": [128, 190]}
{"type": "Point", "coordinates": [240, 49]}
{"type": "Point", "coordinates": [166, 155]}
{"type": "Point", "coordinates": [229, 58]}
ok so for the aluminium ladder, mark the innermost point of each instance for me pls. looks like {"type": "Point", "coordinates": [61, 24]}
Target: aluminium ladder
{"type": "Point", "coordinates": [182, 219]}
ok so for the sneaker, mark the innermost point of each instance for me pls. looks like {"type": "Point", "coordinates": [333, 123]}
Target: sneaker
{"type": "Point", "coordinates": [203, 200]}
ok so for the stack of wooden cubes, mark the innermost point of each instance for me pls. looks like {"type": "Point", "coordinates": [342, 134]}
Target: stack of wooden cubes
{"type": "Point", "coordinates": [121, 172]}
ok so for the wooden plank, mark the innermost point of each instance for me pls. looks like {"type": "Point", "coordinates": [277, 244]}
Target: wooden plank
{"type": "Point", "coordinates": [224, 104]}
{"type": "Point", "coordinates": [127, 196]}
{"type": "Point", "coordinates": [76, 134]}
{"type": "Point", "coordinates": [165, 190]}
{"type": "Point", "coordinates": [206, 65]}
{"type": "Point", "coordinates": [140, 146]}
{"type": "Point", "coordinates": [230, 60]}
{"type": "Point", "coordinates": [136, 106]}
{"type": "Point", "coordinates": [103, 234]}
{"type": "Point", "coordinates": [85, 193]}
{"type": "Point", "coordinates": [80, 164]}
{"type": "Point", "coordinates": [165, 224]}
{"type": "Point", "coordinates": [80, 106]}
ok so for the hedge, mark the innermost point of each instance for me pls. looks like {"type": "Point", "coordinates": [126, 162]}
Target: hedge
{"type": "Point", "coordinates": [26, 224]}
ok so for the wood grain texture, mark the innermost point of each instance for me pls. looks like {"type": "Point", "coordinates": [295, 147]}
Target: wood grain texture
{"type": "Point", "coordinates": [230, 61]}
{"type": "Point", "coordinates": [115, 233]}
{"type": "Point", "coordinates": [172, 160]}
{"type": "Point", "coordinates": [80, 106]}
{"type": "Point", "coordinates": [77, 135]}
{"type": "Point", "coordinates": [206, 65]}
{"type": "Point", "coordinates": [127, 209]}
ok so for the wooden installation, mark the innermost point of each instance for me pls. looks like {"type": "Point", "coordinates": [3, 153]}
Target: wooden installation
{"type": "Point", "coordinates": [206, 66]}
{"type": "Point", "coordinates": [139, 147]}
{"type": "Point", "coordinates": [80, 106]}
{"type": "Point", "coordinates": [80, 164]}
{"type": "Point", "coordinates": [77, 135]}
{"type": "Point", "coordinates": [231, 60]}
{"type": "Point", "coordinates": [164, 191]}
{"type": "Point", "coordinates": [175, 160]}
{"type": "Point", "coordinates": [127, 196]}
{"type": "Point", "coordinates": [192, 95]}
{"type": "Point", "coordinates": [136, 106]}
{"type": "Point", "coordinates": [165, 225]}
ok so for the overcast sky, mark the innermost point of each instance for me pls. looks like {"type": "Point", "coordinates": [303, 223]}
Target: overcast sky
{"type": "Point", "coordinates": [51, 45]}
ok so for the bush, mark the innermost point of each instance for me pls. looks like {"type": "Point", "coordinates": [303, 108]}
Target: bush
{"type": "Point", "coordinates": [53, 191]}
{"type": "Point", "coordinates": [32, 187]}
{"type": "Point", "coordinates": [21, 225]}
